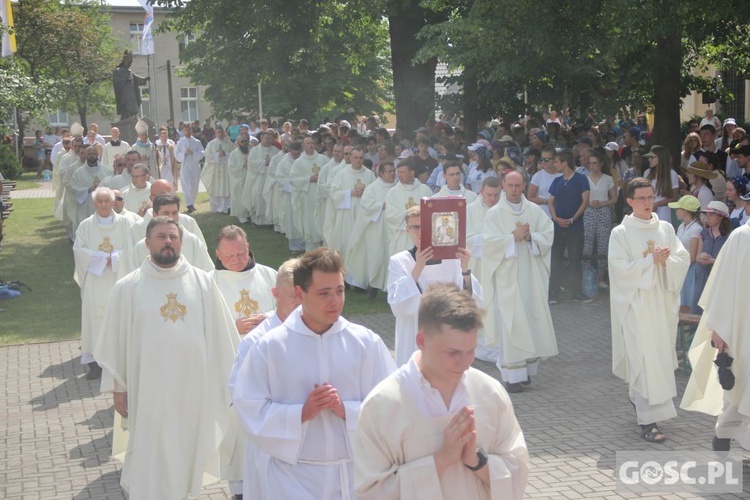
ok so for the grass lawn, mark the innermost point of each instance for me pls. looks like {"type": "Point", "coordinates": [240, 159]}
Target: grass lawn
{"type": "Point", "coordinates": [36, 251]}
{"type": "Point", "coordinates": [27, 180]}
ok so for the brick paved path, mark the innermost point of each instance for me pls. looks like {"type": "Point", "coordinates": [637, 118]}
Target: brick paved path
{"type": "Point", "coordinates": [56, 430]}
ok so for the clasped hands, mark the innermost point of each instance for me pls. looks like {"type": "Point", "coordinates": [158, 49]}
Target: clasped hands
{"type": "Point", "coordinates": [323, 397]}
{"type": "Point", "coordinates": [459, 441]}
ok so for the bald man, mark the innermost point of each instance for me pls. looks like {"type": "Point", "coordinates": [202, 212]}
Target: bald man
{"type": "Point", "coordinates": [162, 186]}
{"type": "Point", "coordinates": [114, 147]}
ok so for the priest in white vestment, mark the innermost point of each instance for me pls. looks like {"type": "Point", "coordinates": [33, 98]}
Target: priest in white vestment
{"type": "Point", "coordinates": [258, 161]}
{"type": "Point", "coordinates": [293, 233]}
{"type": "Point", "coordinates": [193, 250]}
{"type": "Point", "coordinates": [410, 273]}
{"type": "Point", "coordinates": [438, 429]}
{"type": "Point", "coordinates": [138, 194]}
{"type": "Point", "coordinates": [121, 178]}
{"type": "Point", "coordinates": [237, 168]}
{"type": "Point", "coordinates": [452, 173]}
{"type": "Point", "coordinates": [145, 148]}
{"type": "Point", "coordinates": [516, 244]}
{"type": "Point", "coordinates": [98, 250]}
{"type": "Point", "coordinates": [85, 179]}
{"type": "Point", "coordinates": [57, 185]}
{"type": "Point", "coordinates": [327, 173]}
{"type": "Point", "coordinates": [214, 174]}
{"type": "Point", "coordinates": [66, 167]}
{"type": "Point", "coordinates": [489, 195]}
{"type": "Point", "coordinates": [722, 329]}
{"type": "Point", "coordinates": [165, 158]}
{"type": "Point", "coordinates": [404, 195]}
{"type": "Point", "coordinates": [256, 461]}
{"type": "Point", "coordinates": [114, 147]}
{"type": "Point", "coordinates": [119, 208]}
{"type": "Point", "coordinates": [272, 190]}
{"type": "Point", "coordinates": [189, 152]}
{"type": "Point", "coordinates": [367, 254]}
{"type": "Point", "coordinates": [347, 189]}
{"type": "Point", "coordinates": [162, 186]}
{"type": "Point", "coordinates": [647, 266]}
{"type": "Point", "coordinates": [166, 353]}
{"type": "Point", "coordinates": [304, 180]}
{"type": "Point", "coordinates": [299, 389]}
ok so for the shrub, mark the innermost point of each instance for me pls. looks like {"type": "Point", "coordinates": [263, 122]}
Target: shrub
{"type": "Point", "coordinates": [9, 165]}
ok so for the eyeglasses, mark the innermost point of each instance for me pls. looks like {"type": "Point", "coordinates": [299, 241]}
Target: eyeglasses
{"type": "Point", "coordinates": [119, 198]}
{"type": "Point", "coordinates": [119, 164]}
{"type": "Point", "coordinates": [138, 176]}
{"type": "Point", "coordinates": [545, 160]}
{"type": "Point", "coordinates": [415, 227]}
{"type": "Point", "coordinates": [644, 198]}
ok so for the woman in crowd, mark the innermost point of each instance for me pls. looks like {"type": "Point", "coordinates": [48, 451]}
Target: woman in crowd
{"type": "Point", "coordinates": [711, 239]}
{"type": "Point", "coordinates": [688, 233]}
{"type": "Point", "coordinates": [597, 218]}
{"type": "Point", "coordinates": [698, 175]}
{"type": "Point", "coordinates": [665, 180]}
{"type": "Point", "coordinates": [736, 188]}
{"type": "Point", "coordinates": [482, 168]}
{"type": "Point", "coordinates": [595, 137]}
{"type": "Point", "coordinates": [691, 144]}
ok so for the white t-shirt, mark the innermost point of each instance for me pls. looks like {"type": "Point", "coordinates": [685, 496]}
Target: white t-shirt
{"type": "Point", "coordinates": [600, 191]}
{"type": "Point", "coordinates": [543, 180]}
{"type": "Point", "coordinates": [687, 233]}
{"type": "Point", "coordinates": [664, 213]}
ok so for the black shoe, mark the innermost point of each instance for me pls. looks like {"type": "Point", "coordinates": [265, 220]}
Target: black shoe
{"type": "Point", "coordinates": [372, 294]}
{"type": "Point", "coordinates": [190, 209]}
{"type": "Point", "coordinates": [95, 371]}
{"type": "Point", "coordinates": [720, 444]}
{"type": "Point", "coordinates": [513, 388]}
{"type": "Point", "coordinates": [527, 381]}
{"type": "Point", "coordinates": [583, 299]}
{"type": "Point", "coordinates": [237, 497]}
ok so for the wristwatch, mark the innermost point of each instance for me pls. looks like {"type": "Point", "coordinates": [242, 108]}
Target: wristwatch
{"type": "Point", "coordinates": [482, 457]}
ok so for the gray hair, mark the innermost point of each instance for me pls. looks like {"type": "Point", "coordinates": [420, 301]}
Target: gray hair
{"type": "Point", "coordinates": [142, 167]}
{"type": "Point", "coordinates": [103, 190]}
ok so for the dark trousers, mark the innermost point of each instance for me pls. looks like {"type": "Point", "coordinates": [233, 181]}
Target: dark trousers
{"type": "Point", "coordinates": [572, 241]}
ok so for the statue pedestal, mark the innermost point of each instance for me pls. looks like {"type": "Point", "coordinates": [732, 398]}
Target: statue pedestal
{"type": "Point", "coordinates": [127, 129]}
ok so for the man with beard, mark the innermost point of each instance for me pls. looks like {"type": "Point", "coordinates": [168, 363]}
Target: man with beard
{"type": "Point", "coordinates": [189, 152]}
{"type": "Point", "coordinates": [367, 254]}
{"type": "Point", "coordinates": [237, 168]}
{"type": "Point", "coordinates": [258, 162]}
{"type": "Point", "coordinates": [113, 148]}
{"type": "Point", "coordinates": [100, 241]}
{"type": "Point", "coordinates": [167, 349]}
{"type": "Point", "coordinates": [194, 251]}
{"type": "Point", "coordinates": [138, 193]}
{"type": "Point", "coordinates": [214, 174]}
{"type": "Point", "coordinates": [85, 180]}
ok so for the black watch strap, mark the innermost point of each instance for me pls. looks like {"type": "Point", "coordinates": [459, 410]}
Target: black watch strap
{"type": "Point", "coordinates": [482, 457]}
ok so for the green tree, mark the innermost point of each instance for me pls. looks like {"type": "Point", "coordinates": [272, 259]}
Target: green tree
{"type": "Point", "coordinates": [72, 43]}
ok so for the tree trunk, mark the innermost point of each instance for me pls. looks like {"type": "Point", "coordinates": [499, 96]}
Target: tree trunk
{"type": "Point", "coordinates": [471, 107]}
{"type": "Point", "coordinates": [413, 84]}
{"type": "Point", "coordinates": [666, 75]}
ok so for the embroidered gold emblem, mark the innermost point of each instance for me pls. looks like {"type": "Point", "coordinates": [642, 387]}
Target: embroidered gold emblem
{"type": "Point", "coordinates": [105, 246]}
{"type": "Point", "coordinates": [315, 168]}
{"type": "Point", "coordinates": [172, 309]}
{"type": "Point", "coordinates": [650, 248]}
{"type": "Point", "coordinates": [144, 206]}
{"type": "Point", "coordinates": [245, 306]}
{"type": "Point", "coordinates": [359, 184]}
{"type": "Point", "coordinates": [410, 203]}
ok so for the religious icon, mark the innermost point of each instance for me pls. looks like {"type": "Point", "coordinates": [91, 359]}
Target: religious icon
{"type": "Point", "coordinates": [105, 246]}
{"type": "Point", "coordinates": [444, 229]}
{"type": "Point", "coordinates": [172, 309]}
{"type": "Point", "coordinates": [245, 306]}
{"type": "Point", "coordinates": [650, 248]}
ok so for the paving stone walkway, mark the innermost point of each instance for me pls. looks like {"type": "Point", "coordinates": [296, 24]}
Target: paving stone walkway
{"type": "Point", "coordinates": [56, 429]}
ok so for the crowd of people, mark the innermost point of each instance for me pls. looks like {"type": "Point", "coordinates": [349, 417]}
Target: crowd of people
{"type": "Point", "coordinates": [316, 405]}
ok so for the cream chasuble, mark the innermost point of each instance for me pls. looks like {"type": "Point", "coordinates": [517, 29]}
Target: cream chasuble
{"type": "Point", "coordinates": [397, 437]}
{"type": "Point", "coordinates": [96, 242]}
{"type": "Point", "coordinates": [170, 345]}
{"type": "Point", "coordinates": [461, 191]}
{"type": "Point", "coordinates": [259, 163]}
{"type": "Point", "coordinates": [247, 292]}
{"type": "Point", "coordinates": [80, 183]}
{"type": "Point", "coordinates": [214, 174]}
{"type": "Point", "coordinates": [645, 301]}
{"type": "Point", "coordinates": [138, 231]}
{"type": "Point", "coordinates": [64, 162]}
{"type": "Point", "coordinates": [475, 212]}
{"type": "Point", "coordinates": [368, 252]}
{"type": "Point", "coordinates": [310, 460]}
{"type": "Point", "coordinates": [324, 210]}
{"type": "Point", "coordinates": [237, 168]}
{"type": "Point", "coordinates": [137, 199]}
{"type": "Point", "coordinates": [346, 206]}
{"type": "Point", "coordinates": [272, 192]}
{"type": "Point", "coordinates": [305, 195]}
{"type": "Point", "coordinates": [398, 200]}
{"type": "Point", "coordinates": [121, 181]}
{"type": "Point", "coordinates": [404, 295]}
{"type": "Point", "coordinates": [515, 279]}
{"type": "Point", "coordinates": [286, 215]}
{"type": "Point", "coordinates": [193, 250]}
{"type": "Point", "coordinates": [133, 217]}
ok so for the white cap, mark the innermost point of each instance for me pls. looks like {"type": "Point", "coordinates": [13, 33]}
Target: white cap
{"type": "Point", "coordinates": [76, 129]}
{"type": "Point", "coordinates": [141, 127]}
{"type": "Point", "coordinates": [612, 146]}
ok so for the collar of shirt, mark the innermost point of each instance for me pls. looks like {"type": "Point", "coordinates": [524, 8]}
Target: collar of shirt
{"type": "Point", "coordinates": [427, 398]}
{"type": "Point", "coordinates": [295, 323]}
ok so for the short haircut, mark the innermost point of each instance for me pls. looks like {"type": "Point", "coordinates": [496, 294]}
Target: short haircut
{"type": "Point", "coordinates": [493, 182]}
{"type": "Point", "coordinates": [296, 146]}
{"type": "Point", "coordinates": [408, 163]}
{"type": "Point", "coordinates": [161, 219]}
{"type": "Point", "coordinates": [567, 157]}
{"type": "Point", "coordinates": [286, 272]}
{"type": "Point", "coordinates": [549, 148]}
{"type": "Point", "coordinates": [142, 167]}
{"type": "Point", "coordinates": [231, 232]}
{"type": "Point", "coordinates": [451, 163]}
{"type": "Point", "coordinates": [324, 259]}
{"type": "Point", "coordinates": [133, 152]}
{"type": "Point", "coordinates": [414, 211]}
{"type": "Point", "coordinates": [103, 190]}
{"type": "Point", "coordinates": [165, 199]}
{"type": "Point", "coordinates": [446, 304]}
{"type": "Point", "coordinates": [637, 183]}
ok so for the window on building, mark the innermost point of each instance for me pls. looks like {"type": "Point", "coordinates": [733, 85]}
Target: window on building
{"type": "Point", "coordinates": [184, 42]}
{"type": "Point", "coordinates": [188, 104]}
{"type": "Point", "coordinates": [136, 33]}
{"type": "Point", "coordinates": [145, 102]}
{"type": "Point", "coordinates": [58, 119]}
